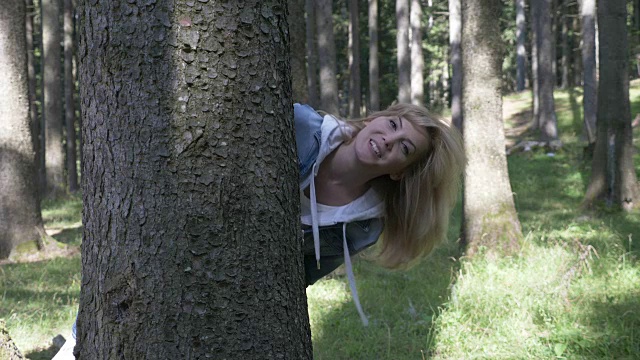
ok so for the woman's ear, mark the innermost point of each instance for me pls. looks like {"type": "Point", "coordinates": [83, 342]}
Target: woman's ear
{"type": "Point", "coordinates": [396, 176]}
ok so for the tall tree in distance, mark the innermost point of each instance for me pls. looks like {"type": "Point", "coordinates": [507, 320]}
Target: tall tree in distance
{"type": "Point", "coordinates": [312, 54]}
{"type": "Point", "coordinates": [535, 83]}
{"type": "Point", "coordinates": [69, 91]}
{"type": "Point", "coordinates": [21, 226]}
{"type": "Point", "coordinates": [354, 61]}
{"type": "Point", "coordinates": [31, 73]}
{"type": "Point", "coordinates": [613, 177]}
{"type": "Point", "coordinates": [417, 58]}
{"type": "Point", "coordinates": [374, 72]}
{"type": "Point", "coordinates": [564, 19]}
{"type": "Point", "coordinates": [404, 54]}
{"type": "Point", "coordinates": [191, 241]}
{"type": "Point", "coordinates": [589, 82]}
{"type": "Point", "coordinates": [490, 218]}
{"type": "Point", "coordinates": [327, 57]}
{"type": "Point", "coordinates": [547, 122]}
{"type": "Point", "coordinates": [52, 89]}
{"type": "Point", "coordinates": [455, 35]}
{"type": "Point", "coordinates": [297, 32]}
{"type": "Point", "coordinates": [521, 50]}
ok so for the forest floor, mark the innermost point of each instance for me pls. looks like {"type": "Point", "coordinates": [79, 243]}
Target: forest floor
{"type": "Point", "coordinates": [572, 293]}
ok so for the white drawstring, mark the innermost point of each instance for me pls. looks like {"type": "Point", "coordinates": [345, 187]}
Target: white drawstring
{"type": "Point", "coordinates": [352, 279]}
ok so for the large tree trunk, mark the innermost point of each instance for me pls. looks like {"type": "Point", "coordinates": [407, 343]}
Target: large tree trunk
{"type": "Point", "coordinates": [191, 244]}
{"type": "Point", "coordinates": [327, 57]}
{"type": "Point", "coordinates": [455, 35]}
{"type": "Point", "coordinates": [52, 88]}
{"type": "Point", "coordinates": [613, 177]}
{"type": "Point", "coordinates": [20, 220]}
{"type": "Point", "coordinates": [521, 50]}
{"type": "Point", "coordinates": [297, 32]}
{"type": "Point", "coordinates": [69, 103]}
{"type": "Point", "coordinates": [354, 61]}
{"type": "Point", "coordinates": [374, 88]}
{"type": "Point", "coordinates": [312, 54]}
{"type": "Point", "coordinates": [490, 218]}
{"type": "Point", "coordinates": [417, 59]}
{"type": "Point", "coordinates": [404, 55]}
{"type": "Point", "coordinates": [590, 95]}
{"type": "Point", "coordinates": [547, 118]}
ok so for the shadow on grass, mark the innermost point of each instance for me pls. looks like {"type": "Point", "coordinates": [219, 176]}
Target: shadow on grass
{"type": "Point", "coordinates": [401, 305]}
{"type": "Point", "coordinates": [70, 236]}
{"type": "Point", "coordinates": [42, 354]}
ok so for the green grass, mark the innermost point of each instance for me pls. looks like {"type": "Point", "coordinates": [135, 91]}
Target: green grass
{"type": "Point", "coordinates": [572, 293]}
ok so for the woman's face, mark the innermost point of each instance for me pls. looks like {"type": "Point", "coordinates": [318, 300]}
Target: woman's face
{"type": "Point", "coordinates": [389, 144]}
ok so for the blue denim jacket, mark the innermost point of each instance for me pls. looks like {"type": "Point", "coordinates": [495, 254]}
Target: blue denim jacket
{"type": "Point", "coordinates": [360, 234]}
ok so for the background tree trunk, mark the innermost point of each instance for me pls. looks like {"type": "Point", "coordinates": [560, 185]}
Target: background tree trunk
{"type": "Point", "coordinates": [613, 177]}
{"type": "Point", "coordinates": [417, 59]}
{"type": "Point", "coordinates": [374, 87]}
{"type": "Point", "coordinates": [21, 225]}
{"type": "Point", "coordinates": [312, 54]}
{"type": "Point", "coordinates": [535, 81]}
{"type": "Point", "coordinates": [297, 32]}
{"type": "Point", "coordinates": [31, 73]}
{"type": "Point", "coordinates": [455, 35]}
{"type": "Point", "coordinates": [355, 95]}
{"type": "Point", "coordinates": [590, 95]}
{"type": "Point", "coordinates": [490, 218]}
{"type": "Point", "coordinates": [404, 60]}
{"type": "Point", "coordinates": [327, 57]}
{"type": "Point", "coordinates": [566, 52]}
{"type": "Point", "coordinates": [546, 80]}
{"type": "Point", "coordinates": [521, 51]}
{"type": "Point", "coordinates": [191, 244]}
{"type": "Point", "coordinates": [52, 88]}
{"type": "Point", "coordinates": [69, 91]}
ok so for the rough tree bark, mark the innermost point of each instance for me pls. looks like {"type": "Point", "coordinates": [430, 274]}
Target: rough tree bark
{"type": "Point", "coordinates": [613, 178]}
{"type": "Point", "coordinates": [69, 103]}
{"type": "Point", "coordinates": [374, 73]}
{"type": "Point", "coordinates": [490, 218]}
{"type": "Point", "coordinates": [417, 58]}
{"type": "Point", "coordinates": [52, 89]}
{"type": "Point", "coordinates": [589, 82]}
{"type": "Point", "coordinates": [327, 57]}
{"type": "Point", "coordinates": [404, 54]}
{"type": "Point", "coordinates": [455, 35]}
{"type": "Point", "coordinates": [191, 244]}
{"type": "Point", "coordinates": [297, 32]}
{"type": "Point", "coordinates": [355, 95]}
{"type": "Point", "coordinates": [21, 225]}
{"type": "Point", "coordinates": [521, 50]}
{"type": "Point", "coordinates": [312, 54]}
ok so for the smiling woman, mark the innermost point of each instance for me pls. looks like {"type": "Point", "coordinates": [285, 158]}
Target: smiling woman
{"type": "Point", "coordinates": [395, 172]}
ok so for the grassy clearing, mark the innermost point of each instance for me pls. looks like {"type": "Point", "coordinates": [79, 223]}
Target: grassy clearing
{"type": "Point", "coordinates": [573, 293]}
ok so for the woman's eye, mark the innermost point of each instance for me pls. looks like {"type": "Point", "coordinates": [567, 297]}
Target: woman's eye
{"type": "Point", "coordinates": [393, 124]}
{"type": "Point", "coordinates": [405, 149]}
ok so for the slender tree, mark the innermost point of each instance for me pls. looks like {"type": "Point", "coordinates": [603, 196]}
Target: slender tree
{"type": "Point", "coordinates": [613, 177]}
{"type": "Point", "coordinates": [191, 244]}
{"type": "Point", "coordinates": [374, 87]}
{"type": "Point", "coordinates": [535, 82]}
{"type": "Point", "coordinates": [521, 50]}
{"type": "Point", "coordinates": [327, 57]}
{"type": "Point", "coordinates": [455, 35]}
{"type": "Point", "coordinates": [490, 218]}
{"type": "Point", "coordinates": [589, 82]}
{"type": "Point", "coordinates": [566, 52]}
{"type": "Point", "coordinates": [21, 227]}
{"type": "Point", "coordinates": [404, 54]}
{"type": "Point", "coordinates": [417, 58]}
{"type": "Point", "coordinates": [31, 73]}
{"type": "Point", "coordinates": [297, 32]}
{"type": "Point", "coordinates": [52, 89]}
{"type": "Point", "coordinates": [69, 102]}
{"type": "Point", "coordinates": [312, 54]}
{"type": "Point", "coordinates": [354, 61]}
{"type": "Point", "coordinates": [547, 121]}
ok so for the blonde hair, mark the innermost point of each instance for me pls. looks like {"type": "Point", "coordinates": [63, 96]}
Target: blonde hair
{"type": "Point", "coordinates": [418, 205]}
